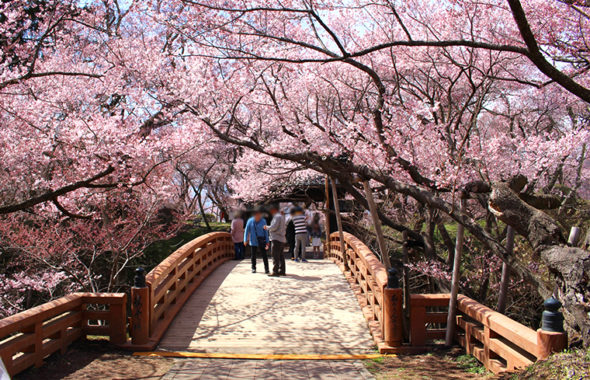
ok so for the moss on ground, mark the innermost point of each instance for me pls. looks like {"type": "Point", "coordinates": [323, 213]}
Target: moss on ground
{"type": "Point", "coordinates": [570, 364]}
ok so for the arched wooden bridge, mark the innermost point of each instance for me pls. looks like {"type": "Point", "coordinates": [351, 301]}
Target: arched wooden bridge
{"type": "Point", "coordinates": [199, 303]}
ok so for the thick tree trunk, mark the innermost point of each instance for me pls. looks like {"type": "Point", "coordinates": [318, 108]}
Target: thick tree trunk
{"type": "Point", "coordinates": [569, 265]}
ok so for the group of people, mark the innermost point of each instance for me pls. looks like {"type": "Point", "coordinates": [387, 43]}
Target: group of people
{"type": "Point", "coordinates": [289, 227]}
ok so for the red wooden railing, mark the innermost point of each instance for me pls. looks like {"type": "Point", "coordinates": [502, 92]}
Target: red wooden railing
{"type": "Point", "coordinates": [499, 342]}
{"type": "Point", "coordinates": [367, 277]}
{"type": "Point", "coordinates": [172, 282]}
{"type": "Point", "coordinates": [29, 337]}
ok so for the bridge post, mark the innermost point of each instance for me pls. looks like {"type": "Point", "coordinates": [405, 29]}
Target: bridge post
{"type": "Point", "coordinates": [551, 337]}
{"type": "Point", "coordinates": [140, 302]}
{"type": "Point", "coordinates": [392, 311]}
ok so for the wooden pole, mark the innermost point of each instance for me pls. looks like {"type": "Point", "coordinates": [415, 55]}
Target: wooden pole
{"type": "Point", "coordinates": [327, 216]}
{"type": "Point", "coordinates": [339, 222]}
{"type": "Point", "coordinates": [455, 281]}
{"type": "Point", "coordinates": [327, 208]}
{"type": "Point", "coordinates": [574, 237]}
{"type": "Point", "coordinates": [505, 272]}
{"type": "Point", "coordinates": [406, 285]}
{"type": "Point", "coordinates": [377, 224]}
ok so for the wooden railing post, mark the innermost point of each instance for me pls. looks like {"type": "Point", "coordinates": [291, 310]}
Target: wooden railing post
{"type": "Point", "coordinates": [549, 342]}
{"type": "Point", "coordinates": [551, 336]}
{"type": "Point", "coordinates": [118, 322]}
{"type": "Point", "coordinates": [140, 310]}
{"type": "Point", "coordinates": [392, 317]}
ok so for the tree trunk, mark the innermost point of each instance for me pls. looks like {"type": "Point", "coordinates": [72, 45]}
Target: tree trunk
{"type": "Point", "coordinates": [203, 214]}
{"type": "Point", "coordinates": [377, 225]}
{"type": "Point", "coordinates": [448, 242]}
{"type": "Point", "coordinates": [450, 335]}
{"type": "Point", "coordinates": [570, 266]}
{"type": "Point", "coordinates": [505, 272]}
{"type": "Point", "coordinates": [339, 222]}
{"type": "Point", "coordinates": [406, 285]}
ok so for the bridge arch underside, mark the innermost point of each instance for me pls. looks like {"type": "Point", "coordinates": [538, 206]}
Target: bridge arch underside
{"type": "Point", "coordinates": [310, 311]}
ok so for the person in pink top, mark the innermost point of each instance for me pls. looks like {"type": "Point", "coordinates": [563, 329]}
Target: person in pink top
{"type": "Point", "coordinates": [237, 234]}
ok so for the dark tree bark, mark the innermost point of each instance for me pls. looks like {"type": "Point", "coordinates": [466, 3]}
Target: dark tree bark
{"type": "Point", "coordinates": [570, 266]}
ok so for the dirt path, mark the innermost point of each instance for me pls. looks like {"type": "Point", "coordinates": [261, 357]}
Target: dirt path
{"type": "Point", "coordinates": [98, 360]}
{"type": "Point", "coordinates": [439, 365]}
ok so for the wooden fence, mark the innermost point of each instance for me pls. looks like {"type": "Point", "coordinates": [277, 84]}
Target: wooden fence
{"type": "Point", "coordinates": [172, 282]}
{"type": "Point", "coordinates": [367, 277]}
{"type": "Point", "coordinates": [29, 337]}
{"type": "Point", "coordinates": [499, 342]}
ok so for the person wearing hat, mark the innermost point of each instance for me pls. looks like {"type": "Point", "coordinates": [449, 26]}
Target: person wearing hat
{"type": "Point", "coordinates": [256, 237]}
{"type": "Point", "coordinates": [277, 231]}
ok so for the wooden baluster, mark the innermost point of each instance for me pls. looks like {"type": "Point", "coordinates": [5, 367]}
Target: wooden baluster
{"type": "Point", "coordinates": [118, 321]}
{"type": "Point", "coordinates": [418, 325]}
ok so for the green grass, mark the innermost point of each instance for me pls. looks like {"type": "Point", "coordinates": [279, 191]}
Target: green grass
{"type": "Point", "coordinates": [470, 364]}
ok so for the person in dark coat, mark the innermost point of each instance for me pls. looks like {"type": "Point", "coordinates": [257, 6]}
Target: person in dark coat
{"type": "Point", "coordinates": [291, 235]}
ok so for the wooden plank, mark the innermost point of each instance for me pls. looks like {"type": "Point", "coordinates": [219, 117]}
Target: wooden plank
{"type": "Point", "coordinates": [28, 318]}
{"type": "Point", "coordinates": [435, 334]}
{"type": "Point", "coordinates": [96, 330]}
{"type": "Point", "coordinates": [431, 300]}
{"type": "Point", "coordinates": [513, 331]}
{"type": "Point", "coordinates": [97, 315]}
{"type": "Point", "coordinates": [436, 317]}
{"type": "Point", "coordinates": [514, 358]}
{"type": "Point", "coordinates": [16, 344]}
{"type": "Point", "coordinates": [62, 323]}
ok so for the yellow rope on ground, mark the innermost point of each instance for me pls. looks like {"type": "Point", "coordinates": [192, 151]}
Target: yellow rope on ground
{"type": "Point", "coordinates": [206, 355]}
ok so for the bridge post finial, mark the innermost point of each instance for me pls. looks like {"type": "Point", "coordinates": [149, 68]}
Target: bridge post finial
{"type": "Point", "coordinates": [139, 280]}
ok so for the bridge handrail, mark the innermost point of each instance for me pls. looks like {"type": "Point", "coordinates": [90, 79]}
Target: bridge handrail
{"type": "Point", "coordinates": [367, 275]}
{"type": "Point", "coordinates": [499, 342]}
{"type": "Point", "coordinates": [172, 281]}
{"type": "Point", "coordinates": [28, 337]}
{"type": "Point", "coordinates": [502, 337]}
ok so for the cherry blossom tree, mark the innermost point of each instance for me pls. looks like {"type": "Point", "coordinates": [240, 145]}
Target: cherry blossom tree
{"type": "Point", "coordinates": [432, 101]}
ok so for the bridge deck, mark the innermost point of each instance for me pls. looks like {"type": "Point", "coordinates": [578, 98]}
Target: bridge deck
{"type": "Point", "coordinates": [311, 311]}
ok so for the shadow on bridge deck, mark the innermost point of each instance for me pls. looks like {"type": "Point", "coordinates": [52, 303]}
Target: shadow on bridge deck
{"type": "Point", "coordinates": [311, 311]}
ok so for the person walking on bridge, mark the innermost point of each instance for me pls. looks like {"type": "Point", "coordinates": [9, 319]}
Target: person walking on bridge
{"type": "Point", "coordinates": [256, 237]}
{"type": "Point", "coordinates": [237, 234]}
{"type": "Point", "coordinates": [277, 230]}
{"type": "Point", "coordinates": [301, 238]}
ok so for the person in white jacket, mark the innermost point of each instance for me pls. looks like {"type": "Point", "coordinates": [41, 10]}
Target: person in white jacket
{"type": "Point", "coordinates": [277, 231]}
